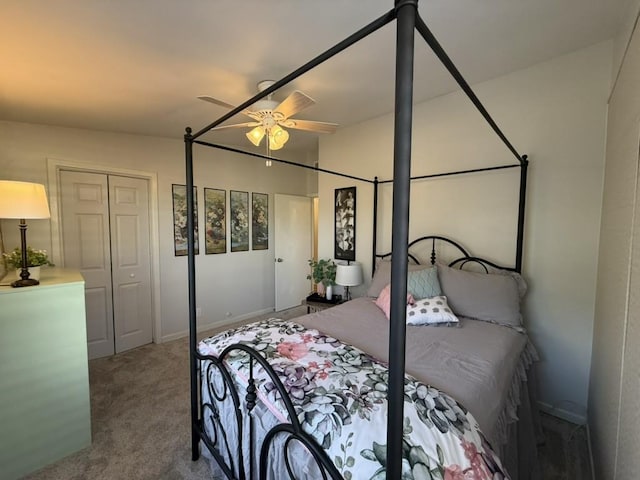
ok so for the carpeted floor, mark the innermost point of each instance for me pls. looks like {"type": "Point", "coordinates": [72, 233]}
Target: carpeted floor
{"type": "Point", "coordinates": [140, 422]}
{"type": "Point", "coordinates": [140, 417]}
{"type": "Point", "coordinates": [565, 453]}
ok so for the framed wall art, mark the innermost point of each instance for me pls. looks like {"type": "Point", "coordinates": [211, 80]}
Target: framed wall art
{"type": "Point", "coordinates": [345, 224]}
{"type": "Point", "coordinates": [259, 221]}
{"type": "Point", "coordinates": [179, 194]}
{"type": "Point", "coordinates": [239, 220]}
{"type": "Point", "coordinates": [215, 220]}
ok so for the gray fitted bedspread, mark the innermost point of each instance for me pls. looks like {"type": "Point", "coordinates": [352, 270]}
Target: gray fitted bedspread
{"type": "Point", "coordinates": [475, 363]}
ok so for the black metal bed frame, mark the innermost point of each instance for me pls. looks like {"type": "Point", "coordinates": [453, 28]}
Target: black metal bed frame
{"type": "Point", "coordinates": [459, 262]}
{"type": "Point", "coordinates": [405, 12]}
{"type": "Point", "coordinates": [293, 430]}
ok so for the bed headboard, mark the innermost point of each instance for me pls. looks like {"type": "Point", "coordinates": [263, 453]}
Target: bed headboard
{"type": "Point", "coordinates": [434, 246]}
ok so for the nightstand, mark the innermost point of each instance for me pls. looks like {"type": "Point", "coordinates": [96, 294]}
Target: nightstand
{"type": "Point", "coordinates": [316, 303]}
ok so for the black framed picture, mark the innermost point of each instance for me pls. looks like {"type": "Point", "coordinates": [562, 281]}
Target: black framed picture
{"type": "Point", "coordinates": [345, 224]}
{"type": "Point", "coordinates": [239, 221]}
{"type": "Point", "coordinates": [215, 218]}
{"type": "Point", "coordinates": [179, 194]}
{"type": "Point", "coordinates": [259, 221]}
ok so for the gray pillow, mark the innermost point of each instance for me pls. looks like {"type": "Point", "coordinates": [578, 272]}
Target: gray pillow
{"type": "Point", "coordinates": [382, 276]}
{"type": "Point", "coordinates": [481, 296]}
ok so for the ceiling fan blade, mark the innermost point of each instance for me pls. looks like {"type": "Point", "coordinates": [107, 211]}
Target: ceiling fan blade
{"type": "Point", "coordinates": [294, 103]}
{"type": "Point", "coordinates": [207, 98]}
{"type": "Point", "coordinates": [215, 101]}
{"type": "Point", "coordinates": [237, 125]}
{"type": "Point", "coordinates": [310, 125]}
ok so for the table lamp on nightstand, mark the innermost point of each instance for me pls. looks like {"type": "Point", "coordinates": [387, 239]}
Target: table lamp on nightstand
{"type": "Point", "coordinates": [22, 200]}
{"type": "Point", "coordinates": [348, 275]}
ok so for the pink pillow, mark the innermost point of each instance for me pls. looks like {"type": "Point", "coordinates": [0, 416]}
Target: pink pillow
{"type": "Point", "coordinates": [384, 300]}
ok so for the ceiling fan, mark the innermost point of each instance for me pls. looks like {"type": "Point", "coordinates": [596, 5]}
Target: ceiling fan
{"type": "Point", "coordinates": [269, 116]}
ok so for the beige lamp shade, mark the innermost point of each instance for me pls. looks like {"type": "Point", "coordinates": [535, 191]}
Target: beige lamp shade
{"type": "Point", "coordinates": [23, 200]}
{"type": "Point", "coordinates": [349, 275]}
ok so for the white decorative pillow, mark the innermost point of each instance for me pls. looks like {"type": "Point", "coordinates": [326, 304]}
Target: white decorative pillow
{"type": "Point", "coordinates": [431, 311]}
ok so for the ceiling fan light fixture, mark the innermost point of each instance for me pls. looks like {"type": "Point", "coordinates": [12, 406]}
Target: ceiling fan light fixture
{"type": "Point", "coordinates": [278, 136]}
{"type": "Point", "coordinates": [275, 145]}
{"type": "Point", "coordinates": [270, 116]}
{"type": "Point", "coordinates": [256, 135]}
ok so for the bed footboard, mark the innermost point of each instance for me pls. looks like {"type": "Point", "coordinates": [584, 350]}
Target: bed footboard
{"type": "Point", "coordinates": [227, 422]}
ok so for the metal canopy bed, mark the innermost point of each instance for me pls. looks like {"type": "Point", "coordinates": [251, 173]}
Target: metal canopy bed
{"type": "Point", "coordinates": [233, 463]}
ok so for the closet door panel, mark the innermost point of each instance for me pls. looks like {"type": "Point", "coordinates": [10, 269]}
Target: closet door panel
{"type": "Point", "coordinates": [91, 242]}
{"type": "Point", "coordinates": [86, 247]}
{"type": "Point", "coordinates": [100, 329]}
{"type": "Point", "coordinates": [130, 247]}
{"type": "Point", "coordinates": [129, 295]}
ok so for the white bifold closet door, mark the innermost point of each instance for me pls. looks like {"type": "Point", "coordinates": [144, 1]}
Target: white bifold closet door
{"type": "Point", "coordinates": [105, 230]}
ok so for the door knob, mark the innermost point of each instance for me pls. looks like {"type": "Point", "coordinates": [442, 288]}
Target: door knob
{"type": "Point", "coordinates": [132, 275]}
{"type": "Point", "coordinates": [279, 260]}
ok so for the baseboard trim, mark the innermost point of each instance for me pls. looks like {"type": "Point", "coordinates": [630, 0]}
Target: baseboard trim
{"type": "Point", "coordinates": [217, 324]}
{"type": "Point", "coordinates": [562, 413]}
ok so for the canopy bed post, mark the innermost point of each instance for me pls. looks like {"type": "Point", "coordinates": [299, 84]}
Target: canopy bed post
{"type": "Point", "coordinates": [202, 425]}
{"type": "Point", "coordinates": [455, 73]}
{"type": "Point", "coordinates": [406, 12]}
{"type": "Point", "coordinates": [522, 159]}
{"type": "Point", "coordinates": [375, 225]}
{"type": "Point", "coordinates": [521, 207]}
{"type": "Point", "coordinates": [195, 437]}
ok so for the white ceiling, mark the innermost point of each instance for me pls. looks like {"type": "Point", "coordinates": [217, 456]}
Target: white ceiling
{"type": "Point", "coordinates": [137, 66]}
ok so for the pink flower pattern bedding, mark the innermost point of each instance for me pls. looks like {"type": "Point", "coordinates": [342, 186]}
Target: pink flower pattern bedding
{"type": "Point", "coordinates": [340, 396]}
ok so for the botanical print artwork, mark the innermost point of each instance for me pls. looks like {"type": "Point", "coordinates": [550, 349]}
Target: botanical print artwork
{"type": "Point", "coordinates": [215, 218]}
{"type": "Point", "coordinates": [239, 221]}
{"type": "Point", "coordinates": [345, 224]}
{"type": "Point", "coordinates": [260, 221]}
{"type": "Point", "coordinates": [180, 219]}
{"type": "Point", "coordinates": [339, 394]}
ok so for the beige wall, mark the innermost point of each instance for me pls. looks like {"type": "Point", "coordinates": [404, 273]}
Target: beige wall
{"type": "Point", "coordinates": [614, 388]}
{"type": "Point", "coordinates": [222, 296]}
{"type": "Point", "coordinates": [556, 113]}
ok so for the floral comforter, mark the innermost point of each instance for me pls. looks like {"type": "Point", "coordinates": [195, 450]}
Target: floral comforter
{"type": "Point", "coordinates": [340, 397]}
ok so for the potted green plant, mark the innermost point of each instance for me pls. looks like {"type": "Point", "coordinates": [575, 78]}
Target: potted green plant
{"type": "Point", "coordinates": [323, 274]}
{"type": "Point", "coordinates": [35, 260]}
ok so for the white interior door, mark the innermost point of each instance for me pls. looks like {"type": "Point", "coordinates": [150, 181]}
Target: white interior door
{"type": "Point", "coordinates": [105, 228]}
{"type": "Point", "coordinates": [130, 262]}
{"type": "Point", "coordinates": [85, 227]}
{"type": "Point", "coordinates": [293, 244]}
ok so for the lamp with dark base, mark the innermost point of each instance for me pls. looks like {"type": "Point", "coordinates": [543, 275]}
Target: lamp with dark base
{"type": "Point", "coordinates": [348, 275]}
{"type": "Point", "coordinates": [24, 281]}
{"type": "Point", "coordinates": [22, 200]}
